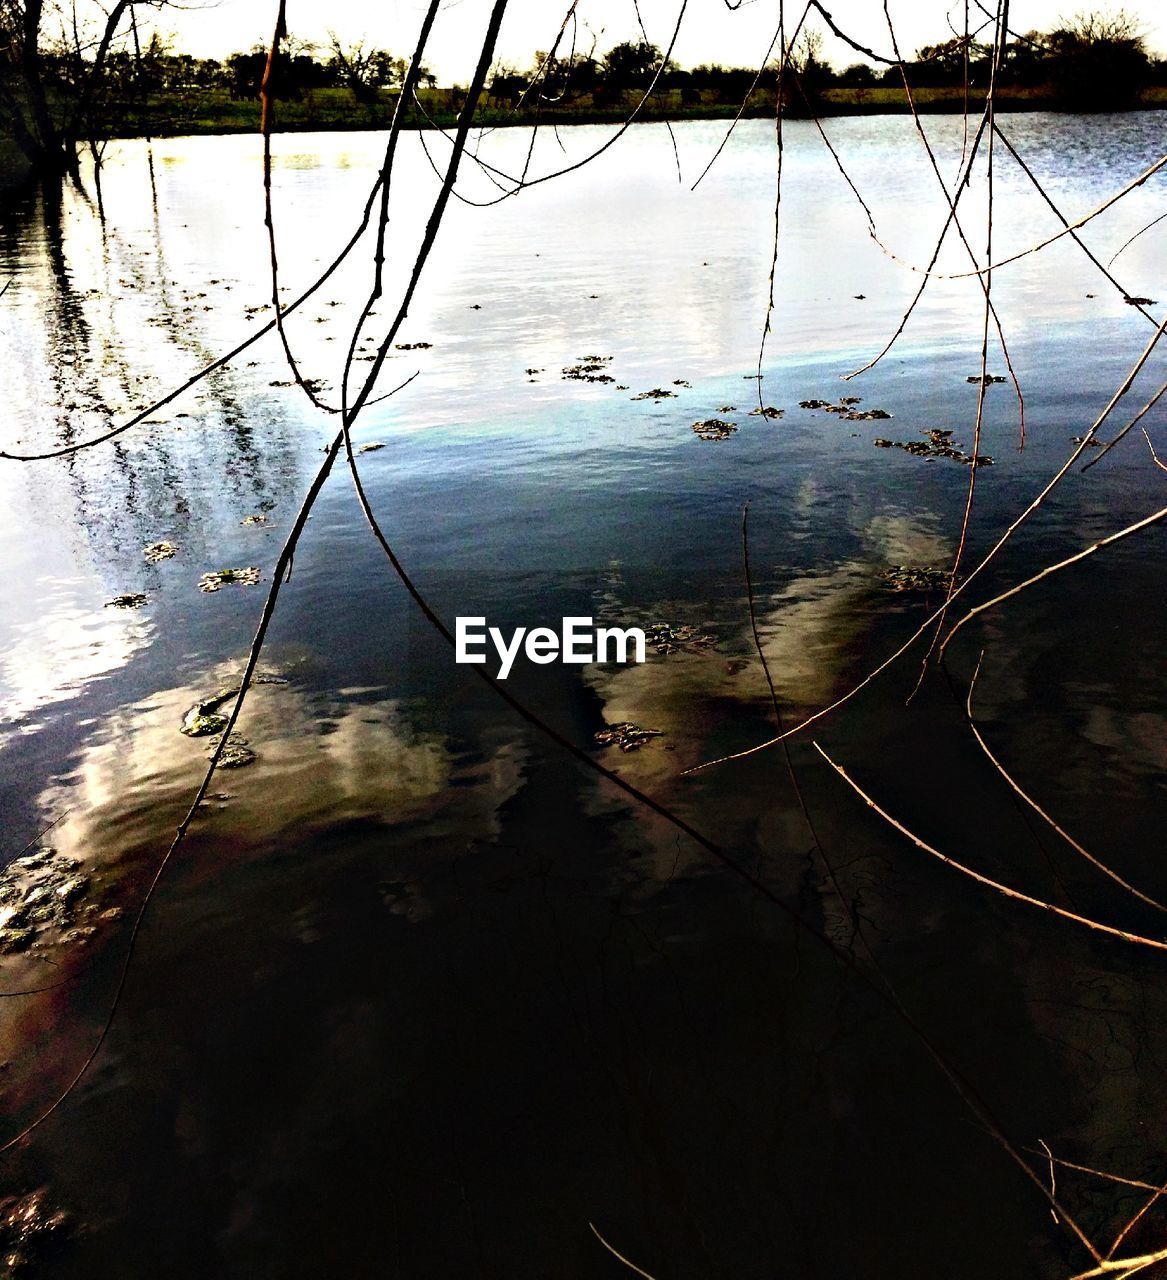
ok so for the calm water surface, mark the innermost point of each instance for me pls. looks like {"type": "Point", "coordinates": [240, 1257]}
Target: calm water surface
{"type": "Point", "coordinates": [419, 996]}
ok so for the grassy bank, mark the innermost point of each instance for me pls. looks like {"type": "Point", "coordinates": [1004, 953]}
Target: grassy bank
{"type": "Point", "coordinates": [215, 111]}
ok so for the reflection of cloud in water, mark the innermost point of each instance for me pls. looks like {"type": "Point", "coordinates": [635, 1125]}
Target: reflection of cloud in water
{"type": "Point", "coordinates": [810, 630]}
{"type": "Point", "coordinates": [55, 651]}
{"type": "Point", "coordinates": [358, 760]}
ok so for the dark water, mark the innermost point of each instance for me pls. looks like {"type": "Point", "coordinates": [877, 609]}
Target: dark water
{"type": "Point", "coordinates": [420, 995]}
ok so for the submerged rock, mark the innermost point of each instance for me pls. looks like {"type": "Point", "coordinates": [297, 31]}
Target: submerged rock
{"type": "Point", "coordinates": [217, 578]}
{"type": "Point", "coordinates": [625, 735]}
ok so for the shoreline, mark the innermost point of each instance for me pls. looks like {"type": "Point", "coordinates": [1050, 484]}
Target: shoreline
{"type": "Point", "coordinates": [212, 114]}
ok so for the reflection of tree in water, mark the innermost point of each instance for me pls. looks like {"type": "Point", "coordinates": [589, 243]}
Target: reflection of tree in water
{"type": "Point", "coordinates": [90, 373]}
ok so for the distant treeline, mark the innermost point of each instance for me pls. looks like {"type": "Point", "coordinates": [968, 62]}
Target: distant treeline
{"type": "Point", "coordinates": [1092, 63]}
{"type": "Point", "coordinates": [57, 97]}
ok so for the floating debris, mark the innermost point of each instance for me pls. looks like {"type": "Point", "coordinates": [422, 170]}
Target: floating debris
{"type": "Point", "coordinates": [237, 753]}
{"type": "Point", "coordinates": [727, 408]}
{"type": "Point", "coordinates": [203, 718]}
{"type": "Point", "coordinates": [261, 518]}
{"type": "Point", "coordinates": [680, 382]}
{"type": "Point", "coordinates": [626, 736]}
{"type": "Point", "coordinates": [666, 638]}
{"type": "Point", "coordinates": [1091, 442]}
{"type": "Point", "coordinates": [937, 443]}
{"type": "Point", "coordinates": [39, 893]}
{"type": "Point", "coordinates": [371, 447]}
{"type": "Point", "coordinates": [133, 600]}
{"type": "Point", "coordinates": [159, 551]}
{"type": "Point", "coordinates": [988, 379]}
{"type": "Point", "coordinates": [217, 578]}
{"type": "Point", "coordinates": [589, 369]}
{"type": "Point", "coordinates": [1135, 301]}
{"type": "Point", "coordinates": [413, 346]}
{"type": "Point", "coordinates": [29, 1230]}
{"type": "Point", "coordinates": [909, 577]}
{"type": "Point", "coordinates": [657, 393]}
{"type": "Point", "coordinates": [621, 386]}
{"type": "Point", "coordinates": [714, 429]}
{"type": "Point", "coordinates": [766, 411]}
{"type": "Point", "coordinates": [845, 409]}
{"type": "Point", "coordinates": [532, 372]}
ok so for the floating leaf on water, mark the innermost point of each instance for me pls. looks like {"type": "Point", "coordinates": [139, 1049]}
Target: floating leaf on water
{"type": "Point", "coordinates": [371, 447]}
{"type": "Point", "coordinates": [625, 735]}
{"type": "Point", "coordinates": [1135, 300]}
{"type": "Point", "coordinates": [907, 577]}
{"type": "Point", "coordinates": [134, 600]}
{"type": "Point", "coordinates": [714, 429]}
{"type": "Point", "coordinates": [413, 346]}
{"type": "Point", "coordinates": [657, 393]}
{"type": "Point", "coordinates": [158, 551]}
{"type": "Point", "coordinates": [1091, 442]}
{"type": "Point", "coordinates": [727, 408]}
{"type": "Point", "coordinates": [937, 443]}
{"type": "Point", "coordinates": [29, 1232]}
{"type": "Point", "coordinates": [680, 382]}
{"type": "Point", "coordinates": [864, 415]}
{"type": "Point", "coordinates": [988, 379]}
{"type": "Point", "coordinates": [236, 753]}
{"type": "Point", "coordinates": [203, 718]}
{"type": "Point", "coordinates": [815, 404]}
{"type": "Point", "coordinates": [667, 637]}
{"type": "Point", "coordinates": [41, 893]}
{"type": "Point", "coordinates": [217, 578]}
{"type": "Point", "coordinates": [766, 411]}
{"type": "Point", "coordinates": [261, 518]}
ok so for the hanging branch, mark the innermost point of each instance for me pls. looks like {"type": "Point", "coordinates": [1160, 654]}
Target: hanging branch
{"type": "Point", "coordinates": [1015, 895]}
{"type": "Point", "coordinates": [1041, 813]}
{"type": "Point", "coordinates": [1100, 545]}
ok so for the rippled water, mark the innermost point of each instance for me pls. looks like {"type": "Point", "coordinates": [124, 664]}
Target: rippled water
{"type": "Point", "coordinates": [419, 994]}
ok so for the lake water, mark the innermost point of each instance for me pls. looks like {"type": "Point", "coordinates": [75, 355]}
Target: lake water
{"type": "Point", "coordinates": [419, 994]}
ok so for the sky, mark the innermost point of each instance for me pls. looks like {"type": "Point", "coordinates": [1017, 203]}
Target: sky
{"type": "Point", "coordinates": [710, 31]}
